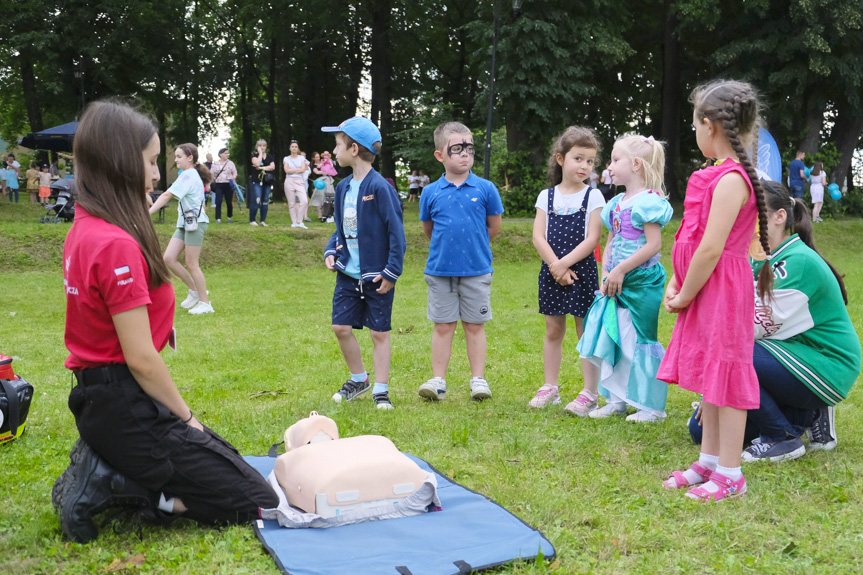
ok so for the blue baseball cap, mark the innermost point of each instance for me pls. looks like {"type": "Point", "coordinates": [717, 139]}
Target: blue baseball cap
{"type": "Point", "coordinates": [361, 130]}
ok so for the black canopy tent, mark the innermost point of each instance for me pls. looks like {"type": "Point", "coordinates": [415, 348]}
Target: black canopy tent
{"type": "Point", "coordinates": [56, 139]}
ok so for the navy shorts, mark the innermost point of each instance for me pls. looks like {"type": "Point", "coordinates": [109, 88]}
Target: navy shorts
{"type": "Point", "coordinates": [359, 305]}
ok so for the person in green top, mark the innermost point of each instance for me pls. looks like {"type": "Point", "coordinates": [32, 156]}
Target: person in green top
{"type": "Point", "coordinates": [807, 354]}
{"type": "Point", "coordinates": [805, 343]}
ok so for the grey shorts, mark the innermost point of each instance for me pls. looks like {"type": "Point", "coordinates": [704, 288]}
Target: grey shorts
{"type": "Point", "coordinates": [459, 298]}
{"type": "Point", "coordinates": [195, 238]}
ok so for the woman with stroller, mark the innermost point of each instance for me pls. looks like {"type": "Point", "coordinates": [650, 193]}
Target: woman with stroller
{"type": "Point", "coordinates": [224, 171]}
{"type": "Point", "coordinates": [191, 226]}
{"type": "Point", "coordinates": [140, 445]}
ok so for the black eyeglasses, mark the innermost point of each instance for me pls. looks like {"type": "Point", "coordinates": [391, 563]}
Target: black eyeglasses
{"type": "Point", "coordinates": [457, 149]}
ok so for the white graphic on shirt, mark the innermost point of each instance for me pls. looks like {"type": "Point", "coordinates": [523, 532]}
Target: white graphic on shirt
{"type": "Point", "coordinates": [124, 275]}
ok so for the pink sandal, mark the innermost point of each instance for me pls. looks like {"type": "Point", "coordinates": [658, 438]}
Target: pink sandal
{"type": "Point", "coordinates": [728, 489]}
{"type": "Point", "coordinates": [677, 480]}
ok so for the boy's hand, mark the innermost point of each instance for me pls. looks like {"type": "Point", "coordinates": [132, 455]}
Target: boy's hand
{"type": "Point", "coordinates": [331, 263]}
{"type": "Point", "coordinates": [386, 285]}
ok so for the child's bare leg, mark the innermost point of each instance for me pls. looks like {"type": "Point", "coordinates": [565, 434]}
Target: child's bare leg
{"type": "Point", "coordinates": [552, 347]}
{"type": "Point", "coordinates": [381, 355]}
{"type": "Point", "coordinates": [710, 429]}
{"type": "Point", "coordinates": [589, 370]}
{"type": "Point", "coordinates": [474, 335]}
{"type": "Point", "coordinates": [172, 252]}
{"type": "Point", "coordinates": [442, 347]}
{"type": "Point", "coordinates": [731, 429]}
{"type": "Point", "coordinates": [816, 210]}
{"type": "Point", "coordinates": [350, 347]}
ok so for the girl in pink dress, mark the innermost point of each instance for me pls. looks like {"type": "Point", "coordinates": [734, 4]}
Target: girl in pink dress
{"type": "Point", "coordinates": [711, 290]}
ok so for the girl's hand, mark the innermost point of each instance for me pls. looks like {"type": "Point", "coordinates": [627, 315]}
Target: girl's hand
{"type": "Point", "coordinates": [676, 304]}
{"type": "Point", "coordinates": [613, 283]}
{"type": "Point", "coordinates": [558, 269]}
{"type": "Point", "coordinates": [568, 278]}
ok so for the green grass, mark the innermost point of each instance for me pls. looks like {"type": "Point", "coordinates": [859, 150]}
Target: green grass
{"type": "Point", "coordinates": [592, 487]}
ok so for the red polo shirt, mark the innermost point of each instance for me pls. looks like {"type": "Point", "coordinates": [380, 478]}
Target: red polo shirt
{"type": "Point", "coordinates": [105, 273]}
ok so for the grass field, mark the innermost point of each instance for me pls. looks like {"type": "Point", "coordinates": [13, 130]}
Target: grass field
{"type": "Point", "coordinates": [592, 487]}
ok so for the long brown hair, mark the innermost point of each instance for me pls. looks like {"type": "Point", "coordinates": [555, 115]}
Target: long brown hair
{"type": "Point", "coordinates": [111, 175]}
{"type": "Point", "coordinates": [797, 221]}
{"type": "Point", "coordinates": [203, 171]}
{"type": "Point", "coordinates": [570, 138]}
{"type": "Point", "coordinates": [734, 106]}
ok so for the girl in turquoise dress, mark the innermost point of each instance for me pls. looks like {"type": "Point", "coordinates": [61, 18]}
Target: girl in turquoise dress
{"type": "Point", "coordinates": [621, 324]}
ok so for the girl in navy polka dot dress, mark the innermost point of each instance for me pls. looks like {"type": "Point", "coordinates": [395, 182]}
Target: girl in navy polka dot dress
{"type": "Point", "coordinates": [566, 232]}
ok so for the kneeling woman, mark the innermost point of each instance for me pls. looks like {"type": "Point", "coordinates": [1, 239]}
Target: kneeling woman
{"type": "Point", "coordinates": [140, 444]}
{"type": "Point", "coordinates": [189, 236]}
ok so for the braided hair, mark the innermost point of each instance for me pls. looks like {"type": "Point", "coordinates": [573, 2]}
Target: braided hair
{"type": "Point", "coordinates": [734, 106]}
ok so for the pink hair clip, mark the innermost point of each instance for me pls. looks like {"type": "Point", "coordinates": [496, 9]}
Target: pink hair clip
{"type": "Point", "coordinates": [649, 140]}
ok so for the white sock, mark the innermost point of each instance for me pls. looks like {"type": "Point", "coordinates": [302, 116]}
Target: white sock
{"type": "Point", "coordinates": [193, 293]}
{"type": "Point", "coordinates": [166, 505]}
{"type": "Point", "coordinates": [732, 473]}
{"type": "Point", "coordinates": [708, 461]}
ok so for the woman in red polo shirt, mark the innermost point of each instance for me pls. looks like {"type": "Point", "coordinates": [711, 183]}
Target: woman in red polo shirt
{"type": "Point", "coordinates": [140, 444]}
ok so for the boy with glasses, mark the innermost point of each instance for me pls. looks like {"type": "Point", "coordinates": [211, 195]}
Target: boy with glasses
{"type": "Point", "coordinates": [460, 214]}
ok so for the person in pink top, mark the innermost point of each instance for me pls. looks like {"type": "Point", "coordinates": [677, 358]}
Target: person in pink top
{"type": "Point", "coordinates": [711, 346]}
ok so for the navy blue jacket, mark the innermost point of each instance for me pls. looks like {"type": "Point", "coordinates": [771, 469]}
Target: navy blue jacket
{"type": "Point", "coordinates": [380, 231]}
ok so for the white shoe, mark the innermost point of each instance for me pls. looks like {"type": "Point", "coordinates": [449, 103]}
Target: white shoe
{"type": "Point", "coordinates": [190, 300]}
{"type": "Point", "coordinates": [295, 225]}
{"type": "Point", "coordinates": [608, 410]}
{"type": "Point", "coordinates": [301, 225]}
{"type": "Point", "coordinates": [434, 389]}
{"type": "Point", "coordinates": [479, 389]}
{"type": "Point", "coordinates": [253, 223]}
{"type": "Point", "coordinates": [644, 416]}
{"type": "Point", "coordinates": [202, 308]}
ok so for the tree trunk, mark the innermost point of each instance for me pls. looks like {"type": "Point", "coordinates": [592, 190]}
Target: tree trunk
{"type": "Point", "coordinates": [382, 84]}
{"type": "Point", "coordinates": [355, 66]}
{"type": "Point", "coordinates": [163, 150]}
{"type": "Point", "coordinates": [669, 127]}
{"type": "Point", "coordinates": [847, 133]}
{"type": "Point", "coordinates": [31, 93]}
{"type": "Point", "coordinates": [245, 123]}
{"type": "Point", "coordinates": [814, 120]}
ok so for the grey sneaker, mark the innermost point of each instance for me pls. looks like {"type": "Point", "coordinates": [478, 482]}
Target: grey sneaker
{"type": "Point", "coordinates": [822, 434]}
{"type": "Point", "coordinates": [434, 389]}
{"type": "Point", "coordinates": [479, 389]}
{"type": "Point", "coordinates": [351, 390]}
{"type": "Point", "coordinates": [775, 452]}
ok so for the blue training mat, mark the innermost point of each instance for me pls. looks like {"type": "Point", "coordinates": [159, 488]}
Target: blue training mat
{"type": "Point", "coordinates": [470, 534]}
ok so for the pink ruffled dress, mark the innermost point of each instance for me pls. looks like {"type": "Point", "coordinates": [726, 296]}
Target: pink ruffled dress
{"type": "Point", "coordinates": [711, 346]}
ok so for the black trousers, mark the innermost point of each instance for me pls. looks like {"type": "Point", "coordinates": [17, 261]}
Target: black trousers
{"type": "Point", "coordinates": [224, 191]}
{"type": "Point", "coordinates": [145, 442]}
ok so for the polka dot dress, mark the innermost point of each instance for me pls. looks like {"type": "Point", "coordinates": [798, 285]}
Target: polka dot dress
{"type": "Point", "coordinates": [564, 234]}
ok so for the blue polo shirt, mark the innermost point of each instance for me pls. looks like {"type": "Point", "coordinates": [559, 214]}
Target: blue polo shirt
{"type": "Point", "coordinates": [460, 245]}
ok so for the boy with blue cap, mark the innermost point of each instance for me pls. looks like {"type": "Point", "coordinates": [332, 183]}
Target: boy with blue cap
{"type": "Point", "coordinates": [366, 252]}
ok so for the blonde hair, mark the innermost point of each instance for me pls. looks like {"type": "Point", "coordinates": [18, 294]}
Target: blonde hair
{"type": "Point", "coordinates": [573, 136]}
{"type": "Point", "coordinates": [261, 142]}
{"type": "Point", "coordinates": [652, 155]}
{"type": "Point", "coordinates": [443, 132]}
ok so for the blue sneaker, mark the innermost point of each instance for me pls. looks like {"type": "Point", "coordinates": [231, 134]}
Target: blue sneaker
{"type": "Point", "coordinates": [822, 434]}
{"type": "Point", "coordinates": [351, 390]}
{"type": "Point", "coordinates": [775, 452]}
{"type": "Point", "coordinates": [434, 389]}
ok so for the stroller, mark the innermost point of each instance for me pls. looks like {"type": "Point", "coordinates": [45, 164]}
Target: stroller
{"type": "Point", "coordinates": [328, 208]}
{"type": "Point", "coordinates": [62, 203]}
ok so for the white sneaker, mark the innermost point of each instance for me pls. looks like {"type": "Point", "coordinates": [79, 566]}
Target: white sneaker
{"type": "Point", "coordinates": [302, 225]}
{"type": "Point", "coordinates": [434, 389]}
{"type": "Point", "coordinates": [190, 300]}
{"type": "Point", "coordinates": [202, 308]}
{"type": "Point", "coordinates": [479, 389]}
{"type": "Point", "coordinates": [608, 410]}
{"type": "Point", "coordinates": [253, 223]}
{"type": "Point", "coordinates": [546, 395]}
{"type": "Point", "coordinates": [644, 416]}
{"type": "Point", "coordinates": [295, 225]}
{"type": "Point", "coordinates": [264, 224]}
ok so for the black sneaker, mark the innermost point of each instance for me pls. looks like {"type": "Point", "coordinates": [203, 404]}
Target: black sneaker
{"type": "Point", "coordinates": [352, 390]}
{"type": "Point", "coordinates": [382, 400]}
{"type": "Point", "coordinates": [822, 434]}
{"type": "Point", "coordinates": [95, 488]}
{"type": "Point", "coordinates": [67, 478]}
{"type": "Point", "coordinates": [778, 451]}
